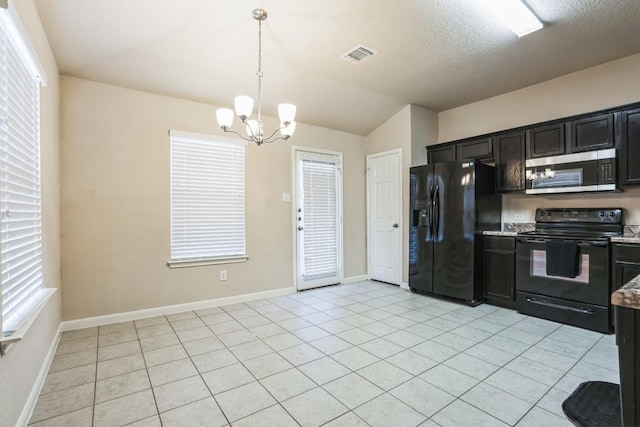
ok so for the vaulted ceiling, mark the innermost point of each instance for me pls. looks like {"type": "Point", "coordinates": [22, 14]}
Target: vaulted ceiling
{"type": "Point", "coordinates": [437, 54]}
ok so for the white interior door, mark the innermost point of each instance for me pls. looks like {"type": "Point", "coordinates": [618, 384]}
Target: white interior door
{"type": "Point", "coordinates": [318, 218]}
{"type": "Point", "coordinates": [384, 195]}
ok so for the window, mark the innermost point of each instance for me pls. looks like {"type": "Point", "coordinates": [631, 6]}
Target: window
{"type": "Point", "coordinates": [207, 199]}
{"type": "Point", "coordinates": [20, 201]}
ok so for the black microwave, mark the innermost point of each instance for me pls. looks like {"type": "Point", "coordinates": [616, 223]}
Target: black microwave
{"type": "Point", "coordinates": [572, 173]}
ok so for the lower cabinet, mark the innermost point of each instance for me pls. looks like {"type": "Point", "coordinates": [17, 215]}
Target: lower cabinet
{"type": "Point", "coordinates": [626, 260]}
{"type": "Point", "coordinates": [499, 254]}
{"type": "Point", "coordinates": [628, 340]}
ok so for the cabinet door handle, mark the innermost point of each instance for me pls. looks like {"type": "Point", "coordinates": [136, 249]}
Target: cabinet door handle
{"type": "Point", "coordinates": [395, 225]}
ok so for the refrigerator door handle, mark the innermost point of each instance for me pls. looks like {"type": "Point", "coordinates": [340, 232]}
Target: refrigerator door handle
{"type": "Point", "coordinates": [431, 203]}
{"type": "Point", "coordinates": [436, 209]}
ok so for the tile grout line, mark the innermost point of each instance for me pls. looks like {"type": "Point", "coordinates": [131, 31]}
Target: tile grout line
{"type": "Point", "coordinates": [290, 309]}
{"type": "Point", "coordinates": [144, 359]}
{"type": "Point", "coordinates": [560, 379]}
{"type": "Point", "coordinates": [197, 370]}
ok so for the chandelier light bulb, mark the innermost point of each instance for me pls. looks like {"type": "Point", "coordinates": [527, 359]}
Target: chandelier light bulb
{"type": "Point", "coordinates": [225, 117]}
{"type": "Point", "coordinates": [244, 106]}
{"type": "Point", "coordinates": [287, 112]}
{"type": "Point", "coordinates": [254, 128]}
{"type": "Point", "coordinates": [287, 130]}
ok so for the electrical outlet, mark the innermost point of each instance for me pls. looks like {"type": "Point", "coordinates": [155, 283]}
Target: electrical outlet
{"type": "Point", "coordinates": [518, 217]}
{"type": "Point", "coordinates": [223, 275]}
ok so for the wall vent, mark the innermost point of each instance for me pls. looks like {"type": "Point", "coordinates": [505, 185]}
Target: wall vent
{"type": "Point", "coordinates": [358, 54]}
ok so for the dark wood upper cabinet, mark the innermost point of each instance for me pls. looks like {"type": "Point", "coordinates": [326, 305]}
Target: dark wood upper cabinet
{"type": "Point", "coordinates": [545, 141]}
{"type": "Point", "coordinates": [591, 133]}
{"type": "Point", "coordinates": [509, 150]}
{"type": "Point", "coordinates": [441, 154]}
{"type": "Point", "coordinates": [480, 149]}
{"type": "Point", "coordinates": [630, 147]}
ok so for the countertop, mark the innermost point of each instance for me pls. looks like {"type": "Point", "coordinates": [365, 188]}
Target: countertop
{"type": "Point", "coordinates": [628, 295]}
{"type": "Point", "coordinates": [626, 239]}
{"type": "Point", "coordinates": [631, 235]}
{"type": "Point", "coordinates": [503, 233]}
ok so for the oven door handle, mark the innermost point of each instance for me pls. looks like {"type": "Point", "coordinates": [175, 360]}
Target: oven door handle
{"type": "Point", "coordinates": [527, 240]}
{"type": "Point", "coordinates": [559, 306]}
{"type": "Point", "coordinates": [581, 243]}
{"type": "Point", "coordinates": [586, 244]}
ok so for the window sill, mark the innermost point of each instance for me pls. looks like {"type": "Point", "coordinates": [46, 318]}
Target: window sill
{"type": "Point", "coordinates": [181, 263]}
{"type": "Point", "coordinates": [23, 328]}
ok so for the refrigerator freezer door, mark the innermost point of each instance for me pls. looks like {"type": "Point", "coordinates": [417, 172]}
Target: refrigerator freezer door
{"type": "Point", "coordinates": [453, 243]}
{"type": "Point", "coordinates": [420, 229]}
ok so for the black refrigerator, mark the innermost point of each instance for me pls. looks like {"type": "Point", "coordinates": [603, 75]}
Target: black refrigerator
{"type": "Point", "coordinates": [451, 204]}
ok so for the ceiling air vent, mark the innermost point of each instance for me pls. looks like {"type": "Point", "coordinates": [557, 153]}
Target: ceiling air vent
{"type": "Point", "coordinates": [358, 54]}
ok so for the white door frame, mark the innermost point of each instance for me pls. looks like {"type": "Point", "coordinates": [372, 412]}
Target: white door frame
{"type": "Point", "coordinates": [294, 198]}
{"type": "Point", "coordinates": [397, 151]}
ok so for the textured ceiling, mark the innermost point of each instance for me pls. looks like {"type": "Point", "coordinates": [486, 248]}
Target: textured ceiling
{"type": "Point", "coordinates": [437, 54]}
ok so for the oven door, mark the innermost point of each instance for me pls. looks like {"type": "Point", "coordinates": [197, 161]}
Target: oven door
{"type": "Point", "coordinates": [590, 286]}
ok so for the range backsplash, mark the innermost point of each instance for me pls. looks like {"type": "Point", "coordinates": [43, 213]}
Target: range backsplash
{"type": "Point", "coordinates": [520, 208]}
{"type": "Point", "coordinates": [632, 230]}
{"type": "Point", "coordinates": [518, 227]}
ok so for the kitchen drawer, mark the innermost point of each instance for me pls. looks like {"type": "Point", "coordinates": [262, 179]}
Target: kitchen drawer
{"type": "Point", "coordinates": [626, 252]}
{"type": "Point", "coordinates": [500, 243]}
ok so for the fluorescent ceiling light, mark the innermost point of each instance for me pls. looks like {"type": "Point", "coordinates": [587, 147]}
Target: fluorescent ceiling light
{"type": "Point", "coordinates": [515, 15]}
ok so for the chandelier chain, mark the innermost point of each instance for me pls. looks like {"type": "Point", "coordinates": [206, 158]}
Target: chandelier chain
{"type": "Point", "coordinates": [259, 72]}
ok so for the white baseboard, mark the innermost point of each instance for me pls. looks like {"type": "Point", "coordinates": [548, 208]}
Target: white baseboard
{"type": "Point", "coordinates": [354, 279]}
{"type": "Point", "coordinates": [170, 309]}
{"type": "Point", "coordinates": [404, 285]}
{"type": "Point", "coordinates": [30, 405]}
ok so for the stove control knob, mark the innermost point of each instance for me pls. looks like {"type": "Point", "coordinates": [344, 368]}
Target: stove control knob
{"type": "Point", "coordinates": [612, 214]}
{"type": "Point", "coordinates": [602, 214]}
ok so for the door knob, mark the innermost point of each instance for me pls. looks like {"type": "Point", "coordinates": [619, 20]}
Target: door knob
{"type": "Point", "coordinates": [395, 225]}
{"type": "Point", "coordinates": [300, 228]}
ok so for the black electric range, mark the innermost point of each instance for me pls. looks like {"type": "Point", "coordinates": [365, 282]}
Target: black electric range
{"type": "Point", "coordinates": [563, 266]}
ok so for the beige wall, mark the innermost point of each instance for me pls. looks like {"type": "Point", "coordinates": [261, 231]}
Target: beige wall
{"type": "Point", "coordinates": [115, 202]}
{"type": "Point", "coordinates": [608, 85]}
{"type": "Point", "coordinates": [411, 129]}
{"type": "Point", "coordinates": [424, 131]}
{"type": "Point", "coordinates": [629, 200]}
{"type": "Point", "coordinates": [21, 365]}
{"type": "Point", "coordinates": [393, 134]}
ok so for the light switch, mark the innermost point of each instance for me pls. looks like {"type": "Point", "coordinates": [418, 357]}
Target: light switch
{"type": "Point", "coordinates": [286, 197]}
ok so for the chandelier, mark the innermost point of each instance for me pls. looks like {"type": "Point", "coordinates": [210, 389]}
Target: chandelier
{"type": "Point", "coordinates": [244, 106]}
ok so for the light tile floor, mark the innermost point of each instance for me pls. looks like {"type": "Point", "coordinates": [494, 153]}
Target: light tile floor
{"type": "Point", "coordinates": [365, 354]}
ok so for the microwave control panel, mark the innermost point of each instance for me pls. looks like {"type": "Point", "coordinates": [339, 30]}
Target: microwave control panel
{"type": "Point", "coordinates": [606, 171]}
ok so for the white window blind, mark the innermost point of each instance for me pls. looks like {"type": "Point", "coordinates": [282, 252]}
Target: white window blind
{"type": "Point", "coordinates": [20, 199]}
{"type": "Point", "coordinates": [207, 197]}
{"type": "Point", "coordinates": [320, 184]}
